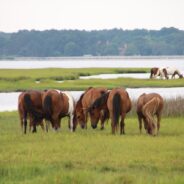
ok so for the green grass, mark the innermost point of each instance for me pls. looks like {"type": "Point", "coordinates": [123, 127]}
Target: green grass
{"type": "Point", "coordinates": [24, 79]}
{"type": "Point", "coordinates": [91, 156]}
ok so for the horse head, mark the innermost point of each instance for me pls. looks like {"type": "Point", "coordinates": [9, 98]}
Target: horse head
{"type": "Point", "coordinates": [79, 116]}
{"type": "Point", "coordinates": [95, 110]}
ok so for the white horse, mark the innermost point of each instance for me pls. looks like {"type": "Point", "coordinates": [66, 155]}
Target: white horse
{"type": "Point", "coordinates": [71, 109]}
{"type": "Point", "coordinates": [160, 72]}
{"type": "Point", "coordinates": [173, 71]}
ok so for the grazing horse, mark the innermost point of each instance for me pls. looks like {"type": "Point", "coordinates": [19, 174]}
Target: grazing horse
{"type": "Point", "coordinates": [83, 108]}
{"type": "Point", "coordinates": [30, 104]}
{"type": "Point", "coordinates": [149, 105]}
{"type": "Point", "coordinates": [118, 103]}
{"type": "Point", "coordinates": [56, 105]}
{"type": "Point", "coordinates": [155, 72]}
{"type": "Point", "coordinates": [173, 72]}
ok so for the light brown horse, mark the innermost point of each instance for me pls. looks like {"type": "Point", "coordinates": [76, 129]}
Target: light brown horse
{"type": "Point", "coordinates": [30, 105]}
{"type": "Point", "coordinates": [56, 105]}
{"type": "Point", "coordinates": [149, 105]}
{"type": "Point", "coordinates": [118, 103]}
{"type": "Point", "coordinates": [83, 108]}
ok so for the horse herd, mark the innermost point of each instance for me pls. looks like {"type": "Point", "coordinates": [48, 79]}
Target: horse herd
{"type": "Point", "coordinates": [99, 104]}
{"type": "Point", "coordinates": [165, 72]}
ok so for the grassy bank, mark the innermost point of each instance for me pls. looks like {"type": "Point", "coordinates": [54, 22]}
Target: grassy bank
{"type": "Point", "coordinates": [91, 156]}
{"type": "Point", "coordinates": [24, 79]}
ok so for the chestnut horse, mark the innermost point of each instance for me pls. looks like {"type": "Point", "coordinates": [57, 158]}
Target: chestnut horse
{"type": "Point", "coordinates": [149, 105]}
{"type": "Point", "coordinates": [83, 107]}
{"type": "Point", "coordinates": [56, 105]}
{"type": "Point", "coordinates": [30, 104]}
{"type": "Point", "coordinates": [118, 103]}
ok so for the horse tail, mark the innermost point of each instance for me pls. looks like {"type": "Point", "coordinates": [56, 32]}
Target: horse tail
{"type": "Point", "coordinates": [47, 106]}
{"type": "Point", "coordinates": [116, 108]}
{"type": "Point", "coordinates": [30, 108]}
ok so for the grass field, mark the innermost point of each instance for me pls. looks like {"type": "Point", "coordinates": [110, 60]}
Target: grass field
{"type": "Point", "coordinates": [24, 79]}
{"type": "Point", "coordinates": [91, 156]}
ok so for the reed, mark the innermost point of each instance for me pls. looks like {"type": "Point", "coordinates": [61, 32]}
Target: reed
{"type": "Point", "coordinates": [172, 108]}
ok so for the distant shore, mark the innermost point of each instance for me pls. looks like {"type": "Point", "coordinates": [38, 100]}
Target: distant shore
{"type": "Point", "coordinates": [91, 57]}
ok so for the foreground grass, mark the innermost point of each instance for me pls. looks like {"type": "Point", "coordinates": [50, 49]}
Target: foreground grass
{"type": "Point", "coordinates": [23, 79]}
{"type": "Point", "coordinates": [91, 156]}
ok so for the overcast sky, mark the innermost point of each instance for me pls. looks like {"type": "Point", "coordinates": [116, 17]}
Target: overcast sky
{"type": "Point", "coordinates": [90, 14]}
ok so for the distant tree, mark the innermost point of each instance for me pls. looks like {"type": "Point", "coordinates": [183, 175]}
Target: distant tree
{"type": "Point", "coordinates": [167, 41]}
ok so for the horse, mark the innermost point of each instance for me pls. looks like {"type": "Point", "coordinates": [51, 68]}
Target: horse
{"type": "Point", "coordinates": [149, 105]}
{"type": "Point", "coordinates": [30, 104]}
{"type": "Point", "coordinates": [83, 108]}
{"type": "Point", "coordinates": [56, 105]}
{"type": "Point", "coordinates": [173, 71]}
{"type": "Point", "coordinates": [118, 104]}
{"type": "Point", "coordinates": [155, 72]}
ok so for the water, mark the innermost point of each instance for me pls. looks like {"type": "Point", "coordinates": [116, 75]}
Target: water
{"type": "Point", "coordinates": [95, 63]}
{"type": "Point", "coordinates": [9, 100]}
{"type": "Point", "coordinates": [115, 76]}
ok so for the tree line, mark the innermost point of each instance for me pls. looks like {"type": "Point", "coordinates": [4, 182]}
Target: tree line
{"type": "Point", "coordinates": [114, 42]}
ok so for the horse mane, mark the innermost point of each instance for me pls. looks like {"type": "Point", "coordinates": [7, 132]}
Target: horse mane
{"type": "Point", "coordinates": [100, 101]}
{"type": "Point", "coordinates": [116, 107]}
{"type": "Point", "coordinates": [30, 109]}
{"type": "Point", "coordinates": [81, 97]}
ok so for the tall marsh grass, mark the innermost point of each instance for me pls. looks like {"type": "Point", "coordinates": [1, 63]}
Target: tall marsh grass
{"type": "Point", "coordinates": [172, 107]}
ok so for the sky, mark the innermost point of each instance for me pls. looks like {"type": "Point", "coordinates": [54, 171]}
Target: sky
{"type": "Point", "coordinates": [17, 15]}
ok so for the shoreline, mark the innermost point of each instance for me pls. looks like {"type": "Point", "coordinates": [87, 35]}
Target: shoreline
{"type": "Point", "coordinates": [11, 58]}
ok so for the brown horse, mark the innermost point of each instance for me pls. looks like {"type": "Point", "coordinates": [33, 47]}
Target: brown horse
{"type": "Point", "coordinates": [30, 104]}
{"type": "Point", "coordinates": [118, 104]}
{"type": "Point", "coordinates": [149, 105]}
{"type": "Point", "coordinates": [155, 72]}
{"type": "Point", "coordinates": [83, 107]}
{"type": "Point", "coordinates": [56, 105]}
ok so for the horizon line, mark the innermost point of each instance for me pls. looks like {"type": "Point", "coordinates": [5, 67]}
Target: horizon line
{"type": "Point", "coordinates": [108, 29]}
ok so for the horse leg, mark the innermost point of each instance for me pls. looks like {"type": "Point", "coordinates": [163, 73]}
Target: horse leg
{"type": "Point", "coordinates": [42, 125]}
{"type": "Point", "coordinates": [140, 123]}
{"type": "Point", "coordinates": [34, 127]}
{"type": "Point", "coordinates": [71, 116]}
{"type": "Point", "coordinates": [85, 118]}
{"type": "Point", "coordinates": [33, 124]}
{"type": "Point", "coordinates": [25, 122]}
{"type": "Point", "coordinates": [158, 122]}
{"type": "Point", "coordinates": [47, 125]}
{"type": "Point", "coordinates": [122, 124]}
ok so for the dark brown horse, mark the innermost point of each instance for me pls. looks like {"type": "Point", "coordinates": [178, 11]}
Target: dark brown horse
{"type": "Point", "coordinates": [30, 105]}
{"type": "Point", "coordinates": [83, 107]}
{"type": "Point", "coordinates": [147, 108]}
{"type": "Point", "coordinates": [118, 104]}
{"type": "Point", "coordinates": [56, 105]}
